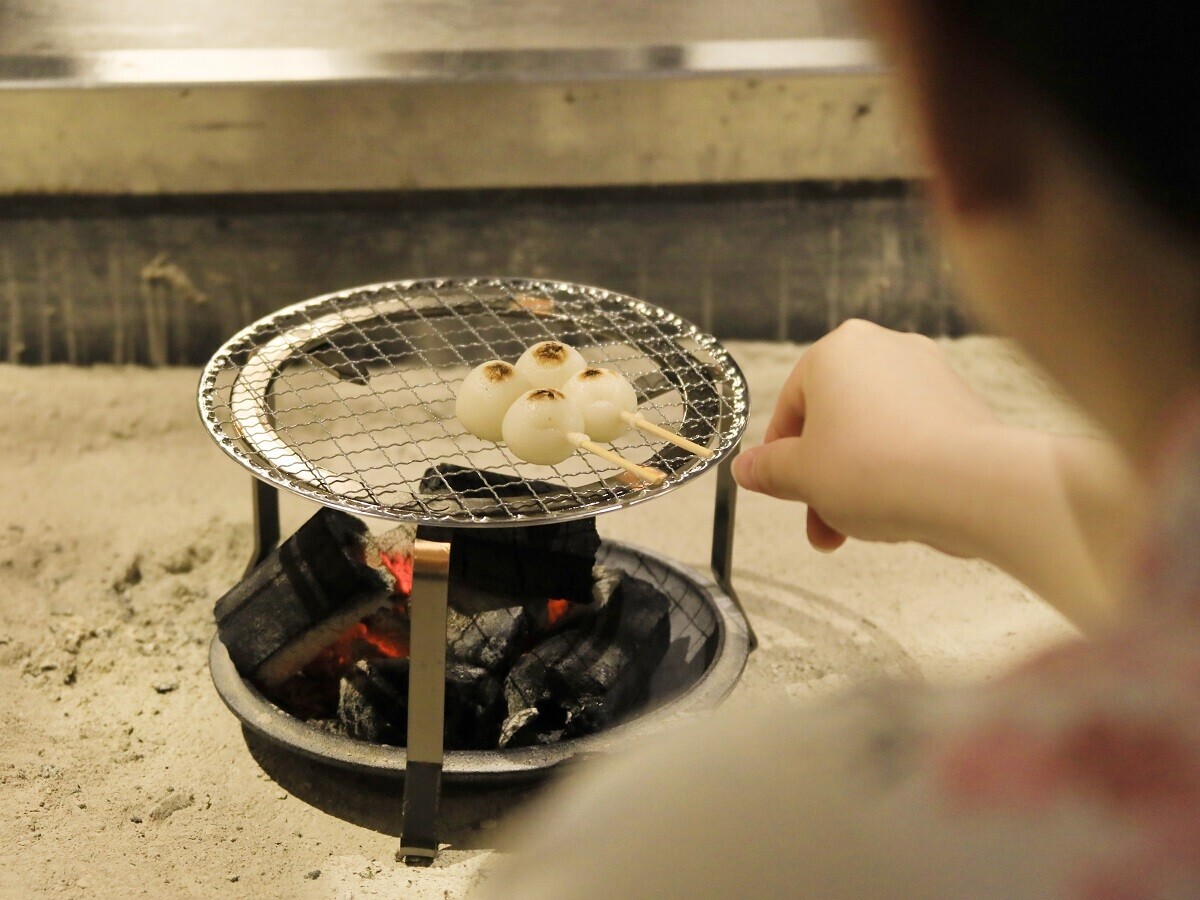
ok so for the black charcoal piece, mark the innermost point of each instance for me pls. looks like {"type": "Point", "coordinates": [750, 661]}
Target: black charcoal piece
{"type": "Point", "coordinates": [490, 640]}
{"type": "Point", "coordinates": [614, 681]}
{"type": "Point", "coordinates": [373, 705]}
{"type": "Point", "coordinates": [493, 568]}
{"type": "Point", "coordinates": [373, 702]}
{"type": "Point", "coordinates": [535, 714]}
{"type": "Point", "coordinates": [300, 597]}
{"type": "Point", "coordinates": [447, 477]}
{"type": "Point", "coordinates": [474, 708]}
{"type": "Point", "coordinates": [579, 681]}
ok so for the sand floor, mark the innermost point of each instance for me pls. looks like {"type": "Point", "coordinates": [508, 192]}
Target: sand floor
{"type": "Point", "coordinates": [121, 773]}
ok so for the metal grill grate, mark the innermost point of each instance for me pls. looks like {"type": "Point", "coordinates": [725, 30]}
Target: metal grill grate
{"type": "Point", "coordinates": [348, 399]}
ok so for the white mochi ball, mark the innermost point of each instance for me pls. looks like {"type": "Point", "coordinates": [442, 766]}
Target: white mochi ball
{"type": "Point", "coordinates": [602, 395]}
{"type": "Point", "coordinates": [485, 396]}
{"type": "Point", "coordinates": [549, 364]}
{"type": "Point", "coordinates": [536, 426]}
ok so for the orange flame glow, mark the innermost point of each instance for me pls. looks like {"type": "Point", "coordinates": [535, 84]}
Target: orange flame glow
{"type": "Point", "coordinates": [359, 641]}
{"type": "Point", "coordinates": [555, 610]}
{"type": "Point", "coordinates": [401, 566]}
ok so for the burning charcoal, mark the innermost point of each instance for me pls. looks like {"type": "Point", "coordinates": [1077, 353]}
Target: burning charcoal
{"type": "Point", "coordinates": [490, 640]}
{"type": "Point", "coordinates": [578, 682]}
{"type": "Point", "coordinates": [493, 568]}
{"type": "Point", "coordinates": [447, 477]}
{"type": "Point", "coordinates": [557, 614]}
{"type": "Point", "coordinates": [374, 705]}
{"type": "Point", "coordinates": [382, 635]}
{"type": "Point", "coordinates": [301, 598]}
{"type": "Point", "coordinates": [393, 552]}
{"type": "Point", "coordinates": [306, 697]}
{"type": "Point", "coordinates": [474, 708]}
{"type": "Point", "coordinates": [614, 681]}
{"type": "Point", "coordinates": [535, 715]}
{"type": "Point", "coordinates": [313, 692]}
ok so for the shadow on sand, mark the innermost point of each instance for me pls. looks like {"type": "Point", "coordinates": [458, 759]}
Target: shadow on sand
{"type": "Point", "coordinates": [468, 813]}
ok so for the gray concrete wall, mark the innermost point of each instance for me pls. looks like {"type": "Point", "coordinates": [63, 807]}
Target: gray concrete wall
{"type": "Point", "coordinates": [165, 281]}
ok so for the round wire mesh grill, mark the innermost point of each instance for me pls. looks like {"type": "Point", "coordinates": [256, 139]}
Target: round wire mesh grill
{"type": "Point", "coordinates": [348, 399]}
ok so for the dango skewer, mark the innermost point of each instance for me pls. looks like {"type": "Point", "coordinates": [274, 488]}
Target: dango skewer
{"type": "Point", "coordinates": [542, 426]}
{"type": "Point", "coordinates": [608, 403]}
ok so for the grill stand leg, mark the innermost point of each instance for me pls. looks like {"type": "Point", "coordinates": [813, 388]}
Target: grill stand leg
{"type": "Point", "coordinates": [426, 688]}
{"type": "Point", "coordinates": [426, 711]}
{"type": "Point", "coordinates": [265, 499]}
{"type": "Point", "coordinates": [722, 537]}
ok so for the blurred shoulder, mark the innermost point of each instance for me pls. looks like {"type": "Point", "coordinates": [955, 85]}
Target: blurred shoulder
{"type": "Point", "coordinates": [1073, 776]}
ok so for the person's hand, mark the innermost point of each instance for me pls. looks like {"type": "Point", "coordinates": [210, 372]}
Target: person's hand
{"type": "Point", "coordinates": [866, 432]}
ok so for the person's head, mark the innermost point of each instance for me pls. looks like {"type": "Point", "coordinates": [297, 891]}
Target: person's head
{"type": "Point", "coordinates": [1063, 144]}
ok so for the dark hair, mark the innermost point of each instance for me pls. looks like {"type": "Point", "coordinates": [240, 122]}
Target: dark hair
{"type": "Point", "coordinates": [1126, 75]}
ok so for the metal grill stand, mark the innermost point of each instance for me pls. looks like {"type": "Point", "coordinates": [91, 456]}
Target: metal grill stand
{"type": "Point", "coordinates": [347, 400]}
{"type": "Point", "coordinates": [427, 659]}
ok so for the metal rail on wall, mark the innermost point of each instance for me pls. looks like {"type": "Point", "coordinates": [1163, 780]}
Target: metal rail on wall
{"type": "Point", "coordinates": [136, 97]}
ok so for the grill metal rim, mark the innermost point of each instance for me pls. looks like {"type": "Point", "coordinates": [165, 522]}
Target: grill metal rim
{"type": "Point", "coordinates": [723, 378]}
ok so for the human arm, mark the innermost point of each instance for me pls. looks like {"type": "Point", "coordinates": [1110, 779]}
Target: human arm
{"type": "Point", "coordinates": [885, 442]}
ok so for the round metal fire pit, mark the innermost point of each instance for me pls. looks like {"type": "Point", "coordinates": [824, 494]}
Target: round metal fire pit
{"type": "Point", "coordinates": [708, 650]}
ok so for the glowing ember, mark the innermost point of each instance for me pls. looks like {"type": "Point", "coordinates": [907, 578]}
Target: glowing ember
{"type": "Point", "coordinates": [348, 648]}
{"type": "Point", "coordinates": [401, 566]}
{"type": "Point", "coordinates": [383, 635]}
{"type": "Point", "coordinates": [555, 610]}
{"type": "Point", "coordinates": [359, 641]}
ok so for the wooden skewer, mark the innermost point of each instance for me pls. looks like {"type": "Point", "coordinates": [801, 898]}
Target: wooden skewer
{"type": "Point", "coordinates": [631, 480]}
{"type": "Point", "coordinates": [638, 421]}
{"type": "Point", "coordinates": [583, 442]}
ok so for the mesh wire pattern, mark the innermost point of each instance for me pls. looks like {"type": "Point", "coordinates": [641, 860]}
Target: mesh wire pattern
{"type": "Point", "coordinates": [348, 399]}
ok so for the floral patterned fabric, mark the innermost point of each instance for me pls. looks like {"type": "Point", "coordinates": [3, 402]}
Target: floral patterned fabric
{"type": "Point", "coordinates": [1109, 728]}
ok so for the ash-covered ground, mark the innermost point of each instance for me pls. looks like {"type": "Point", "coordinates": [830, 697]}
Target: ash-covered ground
{"type": "Point", "coordinates": [121, 773]}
